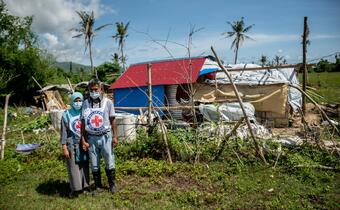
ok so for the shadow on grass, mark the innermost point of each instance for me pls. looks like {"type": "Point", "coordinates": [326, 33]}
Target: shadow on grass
{"type": "Point", "coordinates": [54, 187]}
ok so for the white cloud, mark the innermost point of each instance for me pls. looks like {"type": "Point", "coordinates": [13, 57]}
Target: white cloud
{"type": "Point", "coordinates": [52, 40]}
{"type": "Point", "coordinates": [53, 19]}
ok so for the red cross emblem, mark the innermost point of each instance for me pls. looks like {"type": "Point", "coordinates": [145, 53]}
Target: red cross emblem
{"type": "Point", "coordinates": [78, 124]}
{"type": "Point", "coordinates": [97, 120]}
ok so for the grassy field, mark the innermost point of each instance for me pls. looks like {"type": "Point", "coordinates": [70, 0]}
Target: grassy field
{"type": "Point", "coordinates": [145, 181]}
{"type": "Point", "coordinates": [327, 85]}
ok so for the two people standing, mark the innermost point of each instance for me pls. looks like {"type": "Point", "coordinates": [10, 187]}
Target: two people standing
{"type": "Point", "coordinates": [95, 122]}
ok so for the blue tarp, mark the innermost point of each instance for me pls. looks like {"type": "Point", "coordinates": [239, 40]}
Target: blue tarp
{"type": "Point", "coordinates": [26, 148]}
{"type": "Point", "coordinates": [207, 71]}
{"type": "Point", "coordinates": [138, 97]}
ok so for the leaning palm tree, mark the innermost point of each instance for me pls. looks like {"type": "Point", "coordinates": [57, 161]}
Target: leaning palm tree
{"type": "Point", "coordinates": [86, 29]}
{"type": "Point", "coordinates": [120, 37]}
{"type": "Point", "coordinates": [238, 32]}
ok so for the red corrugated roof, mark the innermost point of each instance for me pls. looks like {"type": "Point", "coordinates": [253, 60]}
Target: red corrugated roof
{"type": "Point", "coordinates": [163, 73]}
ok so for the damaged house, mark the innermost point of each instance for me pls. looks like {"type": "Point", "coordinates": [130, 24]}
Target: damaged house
{"type": "Point", "coordinates": [266, 90]}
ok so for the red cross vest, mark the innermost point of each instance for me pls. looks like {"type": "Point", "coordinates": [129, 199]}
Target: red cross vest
{"type": "Point", "coordinates": [74, 124]}
{"type": "Point", "coordinates": [94, 119]}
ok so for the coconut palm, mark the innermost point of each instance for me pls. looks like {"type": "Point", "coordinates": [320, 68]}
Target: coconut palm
{"type": "Point", "coordinates": [85, 29]}
{"type": "Point", "coordinates": [120, 37]}
{"type": "Point", "coordinates": [277, 60]}
{"type": "Point", "coordinates": [238, 32]}
{"type": "Point", "coordinates": [263, 60]}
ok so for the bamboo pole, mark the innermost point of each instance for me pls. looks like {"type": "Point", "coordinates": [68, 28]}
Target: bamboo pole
{"type": "Point", "coordinates": [69, 84]}
{"type": "Point", "coordinates": [37, 83]}
{"type": "Point", "coordinates": [3, 136]}
{"type": "Point", "coordinates": [165, 138]}
{"type": "Point", "coordinates": [304, 51]}
{"type": "Point", "coordinates": [227, 137]}
{"type": "Point", "coordinates": [149, 95]}
{"type": "Point", "coordinates": [257, 146]}
{"type": "Point", "coordinates": [41, 95]}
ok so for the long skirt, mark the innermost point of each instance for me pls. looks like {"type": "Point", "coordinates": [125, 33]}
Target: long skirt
{"type": "Point", "coordinates": [78, 173]}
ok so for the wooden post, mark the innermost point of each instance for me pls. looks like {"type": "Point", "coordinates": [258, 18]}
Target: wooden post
{"type": "Point", "coordinates": [304, 66]}
{"type": "Point", "coordinates": [3, 136]}
{"type": "Point", "coordinates": [149, 95]}
{"type": "Point", "coordinates": [257, 146]}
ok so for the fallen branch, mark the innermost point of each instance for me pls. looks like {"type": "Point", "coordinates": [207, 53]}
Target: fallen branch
{"type": "Point", "coordinates": [257, 147]}
{"type": "Point", "coordinates": [315, 166]}
{"type": "Point", "coordinates": [317, 106]}
{"type": "Point", "coordinates": [165, 138]}
{"type": "Point", "coordinates": [227, 137]}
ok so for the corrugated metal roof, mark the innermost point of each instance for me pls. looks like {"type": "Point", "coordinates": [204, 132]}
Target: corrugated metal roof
{"type": "Point", "coordinates": [163, 73]}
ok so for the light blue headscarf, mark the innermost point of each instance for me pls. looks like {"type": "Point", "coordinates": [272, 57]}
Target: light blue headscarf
{"type": "Point", "coordinates": [72, 111]}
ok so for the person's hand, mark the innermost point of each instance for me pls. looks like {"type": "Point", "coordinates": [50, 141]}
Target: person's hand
{"type": "Point", "coordinates": [66, 153]}
{"type": "Point", "coordinates": [114, 141]}
{"type": "Point", "coordinates": [85, 146]}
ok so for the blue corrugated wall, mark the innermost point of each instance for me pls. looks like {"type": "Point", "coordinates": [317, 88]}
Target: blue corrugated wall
{"type": "Point", "coordinates": [137, 97]}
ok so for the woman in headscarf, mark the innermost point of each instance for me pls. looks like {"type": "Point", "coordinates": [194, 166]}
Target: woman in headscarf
{"type": "Point", "coordinates": [77, 159]}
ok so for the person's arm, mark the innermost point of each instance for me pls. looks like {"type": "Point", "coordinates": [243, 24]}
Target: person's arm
{"type": "Point", "coordinates": [63, 138]}
{"type": "Point", "coordinates": [84, 140]}
{"type": "Point", "coordinates": [113, 122]}
{"type": "Point", "coordinates": [114, 128]}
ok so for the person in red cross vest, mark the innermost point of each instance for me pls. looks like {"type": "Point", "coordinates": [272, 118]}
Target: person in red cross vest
{"type": "Point", "coordinates": [77, 159]}
{"type": "Point", "coordinates": [98, 121]}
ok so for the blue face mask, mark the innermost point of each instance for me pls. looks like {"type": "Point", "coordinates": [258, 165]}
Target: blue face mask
{"type": "Point", "coordinates": [94, 95]}
{"type": "Point", "coordinates": [77, 105]}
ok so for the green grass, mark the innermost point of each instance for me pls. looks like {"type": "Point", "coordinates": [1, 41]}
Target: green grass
{"type": "Point", "coordinates": [327, 84]}
{"type": "Point", "coordinates": [154, 184]}
{"type": "Point", "coordinates": [39, 180]}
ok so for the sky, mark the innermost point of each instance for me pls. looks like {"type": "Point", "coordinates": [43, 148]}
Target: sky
{"type": "Point", "coordinates": [159, 29]}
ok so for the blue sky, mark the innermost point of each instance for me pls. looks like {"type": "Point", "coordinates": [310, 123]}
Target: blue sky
{"type": "Point", "coordinates": [277, 29]}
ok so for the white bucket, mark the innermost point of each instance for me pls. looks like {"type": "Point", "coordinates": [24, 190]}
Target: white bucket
{"type": "Point", "coordinates": [126, 126]}
{"type": "Point", "coordinates": [56, 116]}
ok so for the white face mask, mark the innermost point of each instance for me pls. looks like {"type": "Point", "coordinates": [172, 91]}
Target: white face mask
{"type": "Point", "coordinates": [77, 105]}
{"type": "Point", "coordinates": [94, 95]}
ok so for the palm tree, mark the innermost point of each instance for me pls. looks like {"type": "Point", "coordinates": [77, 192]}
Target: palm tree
{"type": "Point", "coordinates": [263, 60]}
{"type": "Point", "coordinates": [120, 37]}
{"type": "Point", "coordinates": [238, 32]}
{"type": "Point", "coordinates": [277, 59]}
{"type": "Point", "coordinates": [86, 29]}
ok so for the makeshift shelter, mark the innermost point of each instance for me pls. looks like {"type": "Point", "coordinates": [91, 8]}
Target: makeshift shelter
{"type": "Point", "coordinates": [130, 89]}
{"type": "Point", "coordinates": [267, 90]}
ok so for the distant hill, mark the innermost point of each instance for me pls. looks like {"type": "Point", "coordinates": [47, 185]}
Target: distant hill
{"type": "Point", "coordinates": [75, 66]}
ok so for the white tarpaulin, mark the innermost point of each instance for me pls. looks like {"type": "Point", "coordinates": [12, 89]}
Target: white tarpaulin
{"type": "Point", "coordinates": [263, 77]}
{"type": "Point", "coordinates": [226, 111]}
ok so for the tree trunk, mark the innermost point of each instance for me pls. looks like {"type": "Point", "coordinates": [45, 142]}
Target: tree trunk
{"type": "Point", "coordinates": [236, 51]}
{"type": "Point", "coordinates": [123, 58]}
{"type": "Point", "coordinates": [92, 68]}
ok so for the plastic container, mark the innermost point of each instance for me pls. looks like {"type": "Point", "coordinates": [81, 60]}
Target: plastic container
{"type": "Point", "coordinates": [126, 126]}
{"type": "Point", "coordinates": [56, 116]}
